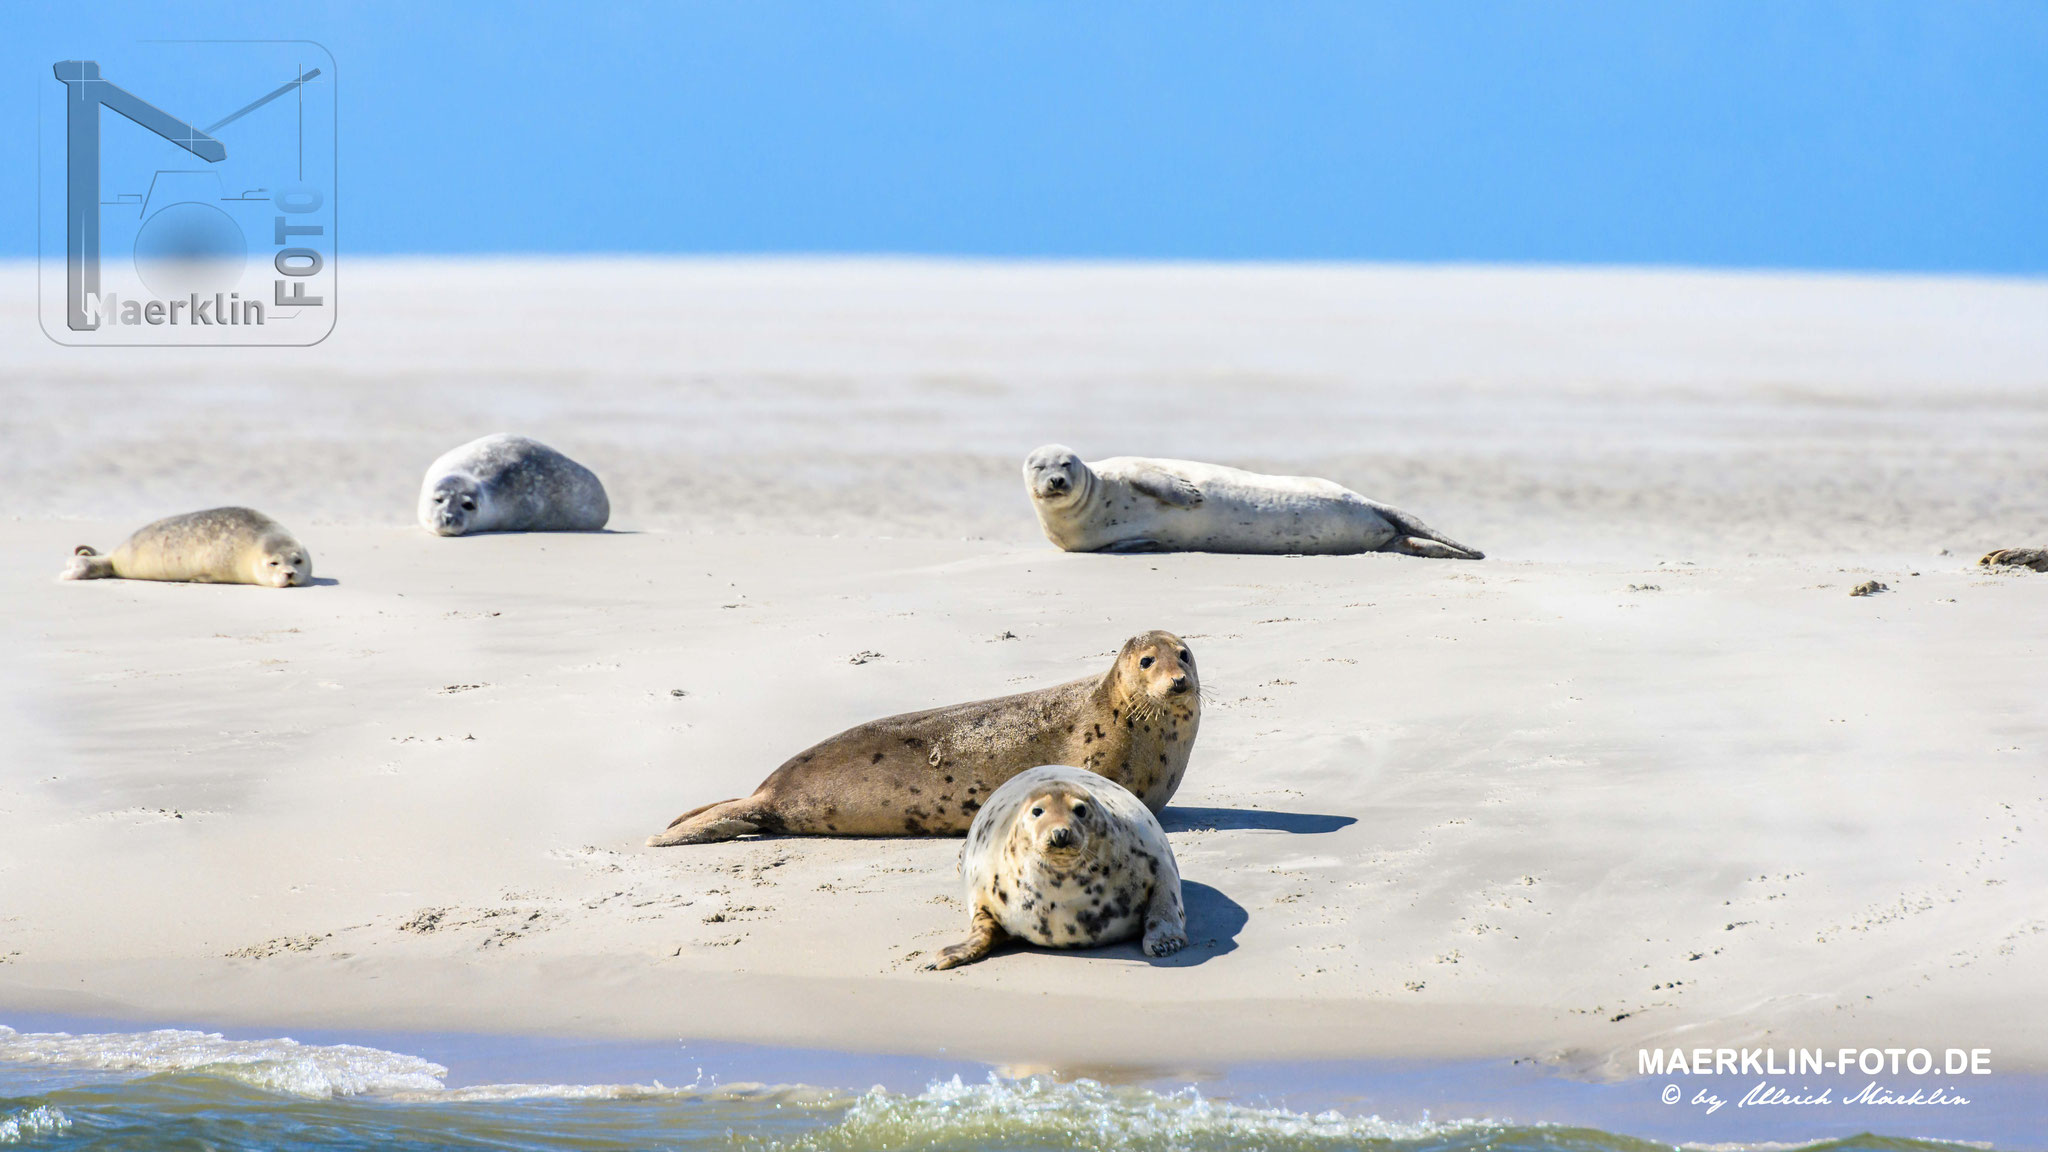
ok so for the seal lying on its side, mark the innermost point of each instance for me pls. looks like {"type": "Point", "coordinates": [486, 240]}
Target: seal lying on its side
{"type": "Point", "coordinates": [2035, 558]}
{"type": "Point", "coordinates": [508, 483]}
{"type": "Point", "coordinates": [927, 773]}
{"type": "Point", "coordinates": [217, 546]}
{"type": "Point", "coordinates": [1138, 504]}
{"type": "Point", "coordinates": [1066, 859]}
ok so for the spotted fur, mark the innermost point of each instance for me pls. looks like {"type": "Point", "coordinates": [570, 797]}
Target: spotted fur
{"type": "Point", "coordinates": [930, 773]}
{"type": "Point", "coordinates": [1062, 858]}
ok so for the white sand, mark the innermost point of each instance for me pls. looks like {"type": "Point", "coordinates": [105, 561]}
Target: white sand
{"type": "Point", "coordinates": [1516, 807]}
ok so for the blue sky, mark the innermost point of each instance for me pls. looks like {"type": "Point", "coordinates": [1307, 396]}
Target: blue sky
{"type": "Point", "coordinates": [1858, 135]}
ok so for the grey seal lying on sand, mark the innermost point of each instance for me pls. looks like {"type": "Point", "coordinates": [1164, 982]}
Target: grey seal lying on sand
{"type": "Point", "coordinates": [1139, 504]}
{"type": "Point", "coordinates": [507, 483]}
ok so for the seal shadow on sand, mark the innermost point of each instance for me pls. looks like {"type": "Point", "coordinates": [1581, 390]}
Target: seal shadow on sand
{"type": "Point", "coordinates": [1180, 819]}
{"type": "Point", "coordinates": [550, 532]}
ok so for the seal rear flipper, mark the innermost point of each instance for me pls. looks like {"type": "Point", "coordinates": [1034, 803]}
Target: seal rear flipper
{"type": "Point", "coordinates": [2035, 558]}
{"type": "Point", "coordinates": [1418, 537]}
{"type": "Point", "coordinates": [87, 564]}
{"type": "Point", "coordinates": [1434, 549]}
{"type": "Point", "coordinates": [725, 820]}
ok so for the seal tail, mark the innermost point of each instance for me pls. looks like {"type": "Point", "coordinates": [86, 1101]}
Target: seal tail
{"type": "Point", "coordinates": [725, 820]}
{"type": "Point", "coordinates": [87, 564]}
{"type": "Point", "coordinates": [1418, 538]}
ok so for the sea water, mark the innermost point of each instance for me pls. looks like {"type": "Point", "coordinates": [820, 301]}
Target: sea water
{"type": "Point", "coordinates": [183, 1089]}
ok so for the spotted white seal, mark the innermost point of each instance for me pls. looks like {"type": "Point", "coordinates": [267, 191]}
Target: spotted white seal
{"type": "Point", "coordinates": [217, 546]}
{"type": "Point", "coordinates": [1063, 858]}
{"type": "Point", "coordinates": [1139, 504]}
{"type": "Point", "coordinates": [507, 483]}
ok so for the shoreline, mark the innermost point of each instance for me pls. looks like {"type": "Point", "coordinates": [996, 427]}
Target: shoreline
{"type": "Point", "coordinates": [485, 1068]}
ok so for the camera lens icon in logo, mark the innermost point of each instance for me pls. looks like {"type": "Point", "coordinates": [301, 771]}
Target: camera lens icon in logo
{"type": "Point", "coordinates": [189, 247]}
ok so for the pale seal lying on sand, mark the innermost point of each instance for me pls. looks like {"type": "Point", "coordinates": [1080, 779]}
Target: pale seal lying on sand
{"type": "Point", "coordinates": [1066, 859]}
{"type": "Point", "coordinates": [508, 483]}
{"type": "Point", "coordinates": [217, 546]}
{"type": "Point", "coordinates": [2035, 558]}
{"type": "Point", "coordinates": [1138, 504]}
{"type": "Point", "coordinates": [927, 773]}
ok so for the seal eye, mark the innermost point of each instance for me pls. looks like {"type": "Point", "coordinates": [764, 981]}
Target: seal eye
{"type": "Point", "coordinates": [1185, 658]}
{"type": "Point", "coordinates": [1038, 811]}
{"type": "Point", "coordinates": [1080, 811]}
{"type": "Point", "coordinates": [1145, 663]}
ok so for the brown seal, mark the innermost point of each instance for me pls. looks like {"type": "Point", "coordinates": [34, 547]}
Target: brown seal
{"type": "Point", "coordinates": [2035, 558]}
{"type": "Point", "coordinates": [217, 546]}
{"type": "Point", "coordinates": [1063, 858]}
{"type": "Point", "coordinates": [928, 773]}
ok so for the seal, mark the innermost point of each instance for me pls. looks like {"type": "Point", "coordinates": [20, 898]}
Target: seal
{"type": "Point", "coordinates": [1139, 504]}
{"type": "Point", "coordinates": [1064, 858]}
{"type": "Point", "coordinates": [506, 483]}
{"type": "Point", "coordinates": [217, 546]}
{"type": "Point", "coordinates": [928, 773]}
{"type": "Point", "coordinates": [2035, 558]}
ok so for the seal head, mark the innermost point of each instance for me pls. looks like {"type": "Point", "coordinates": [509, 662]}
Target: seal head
{"type": "Point", "coordinates": [281, 562]}
{"type": "Point", "coordinates": [451, 505]}
{"type": "Point", "coordinates": [1056, 476]}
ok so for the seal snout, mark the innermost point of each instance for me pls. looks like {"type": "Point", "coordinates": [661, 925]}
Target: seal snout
{"type": "Point", "coordinates": [1061, 838]}
{"type": "Point", "coordinates": [1179, 684]}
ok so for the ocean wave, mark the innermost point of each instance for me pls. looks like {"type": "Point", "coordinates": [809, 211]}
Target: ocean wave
{"type": "Point", "coordinates": [287, 1067]}
{"type": "Point", "coordinates": [283, 1066]}
{"type": "Point", "coordinates": [1083, 1113]}
{"type": "Point", "coordinates": [19, 1126]}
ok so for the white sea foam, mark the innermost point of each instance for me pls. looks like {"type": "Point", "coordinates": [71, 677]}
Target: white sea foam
{"type": "Point", "coordinates": [288, 1067]}
{"type": "Point", "coordinates": [284, 1066]}
{"type": "Point", "coordinates": [1085, 1113]}
{"type": "Point", "coordinates": [20, 1126]}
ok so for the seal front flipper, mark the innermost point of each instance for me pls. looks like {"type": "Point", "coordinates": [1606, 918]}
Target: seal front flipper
{"type": "Point", "coordinates": [982, 937]}
{"type": "Point", "coordinates": [1166, 921]}
{"type": "Point", "coordinates": [1165, 487]}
